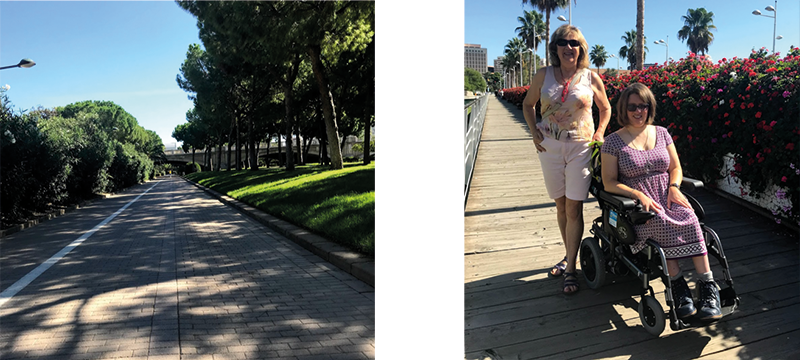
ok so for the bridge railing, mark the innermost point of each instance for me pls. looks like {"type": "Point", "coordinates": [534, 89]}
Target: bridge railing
{"type": "Point", "coordinates": [474, 116]}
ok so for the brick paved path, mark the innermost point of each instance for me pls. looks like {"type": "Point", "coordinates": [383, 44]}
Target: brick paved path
{"type": "Point", "coordinates": [177, 275]}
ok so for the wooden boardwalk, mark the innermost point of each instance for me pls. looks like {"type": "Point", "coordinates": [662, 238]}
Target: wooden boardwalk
{"type": "Point", "coordinates": [514, 311]}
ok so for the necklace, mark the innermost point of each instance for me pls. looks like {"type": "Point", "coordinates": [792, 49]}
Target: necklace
{"type": "Point", "coordinates": [647, 165]}
{"type": "Point", "coordinates": [646, 139]}
{"type": "Point", "coordinates": [566, 84]}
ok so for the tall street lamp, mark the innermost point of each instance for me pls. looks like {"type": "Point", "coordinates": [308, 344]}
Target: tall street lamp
{"type": "Point", "coordinates": [614, 56]}
{"type": "Point", "coordinates": [24, 63]}
{"type": "Point", "coordinates": [562, 18]}
{"type": "Point", "coordinates": [774, 22]}
{"type": "Point", "coordinates": [664, 43]}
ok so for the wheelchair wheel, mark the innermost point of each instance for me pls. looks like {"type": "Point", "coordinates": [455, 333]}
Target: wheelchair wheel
{"type": "Point", "coordinates": [593, 263]}
{"type": "Point", "coordinates": [651, 314]}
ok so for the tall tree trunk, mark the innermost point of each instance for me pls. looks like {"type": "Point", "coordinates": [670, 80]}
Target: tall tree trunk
{"type": "Point", "coordinates": [328, 109]}
{"type": "Point", "coordinates": [210, 164]}
{"type": "Point", "coordinates": [288, 94]}
{"type": "Point", "coordinates": [257, 154]}
{"type": "Point", "coordinates": [193, 150]}
{"type": "Point", "coordinates": [280, 151]}
{"type": "Point", "coordinates": [219, 155]}
{"type": "Point", "coordinates": [299, 148]}
{"type": "Point", "coordinates": [547, 40]}
{"type": "Point", "coordinates": [639, 34]}
{"type": "Point", "coordinates": [323, 157]}
{"type": "Point", "coordinates": [252, 140]}
{"type": "Point", "coordinates": [306, 147]}
{"type": "Point", "coordinates": [238, 146]}
{"type": "Point", "coordinates": [246, 161]}
{"type": "Point", "coordinates": [230, 150]}
{"type": "Point", "coordinates": [269, 141]}
{"type": "Point", "coordinates": [205, 159]}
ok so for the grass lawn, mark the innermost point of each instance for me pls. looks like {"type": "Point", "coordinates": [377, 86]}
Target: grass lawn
{"type": "Point", "coordinates": [336, 204]}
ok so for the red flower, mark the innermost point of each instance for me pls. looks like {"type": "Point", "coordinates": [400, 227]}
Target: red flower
{"type": "Point", "coordinates": [790, 146]}
{"type": "Point", "coordinates": [758, 115]}
{"type": "Point", "coordinates": [783, 179]}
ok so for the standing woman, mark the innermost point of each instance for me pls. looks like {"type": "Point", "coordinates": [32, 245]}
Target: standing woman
{"type": "Point", "coordinates": [567, 90]}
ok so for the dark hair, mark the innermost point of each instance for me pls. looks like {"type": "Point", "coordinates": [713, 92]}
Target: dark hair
{"type": "Point", "coordinates": [645, 94]}
{"type": "Point", "coordinates": [562, 32]}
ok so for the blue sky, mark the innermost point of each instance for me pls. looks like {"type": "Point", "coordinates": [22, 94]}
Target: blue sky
{"type": "Point", "coordinates": [491, 24]}
{"type": "Point", "coordinates": [125, 52]}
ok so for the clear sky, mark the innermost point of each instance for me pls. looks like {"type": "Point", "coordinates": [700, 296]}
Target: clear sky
{"type": "Point", "coordinates": [492, 24]}
{"type": "Point", "coordinates": [125, 52]}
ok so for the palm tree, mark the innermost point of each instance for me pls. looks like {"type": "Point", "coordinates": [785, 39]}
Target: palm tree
{"type": "Point", "coordinates": [598, 56]}
{"type": "Point", "coordinates": [696, 30]}
{"type": "Point", "coordinates": [639, 34]}
{"type": "Point", "coordinates": [512, 51]}
{"type": "Point", "coordinates": [547, 7]}
{"type": "Point", "coordinates": [629, 49]}
{"type": "Point", "coordinates": [532, 30]}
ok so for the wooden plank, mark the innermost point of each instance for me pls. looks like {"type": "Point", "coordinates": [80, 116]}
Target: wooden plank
{"type": "Point", "coordinates": [609, 331]}
{"type": "Point", "coordinates": [551, 302]}
{"type": "Point", "coordinates": [523, 288]}
{"type": "Point", "coordinates": [777, 347]}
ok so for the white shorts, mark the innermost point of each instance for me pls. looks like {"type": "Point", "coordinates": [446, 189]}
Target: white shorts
{"type": "Point", "coordinates": [565, 166]}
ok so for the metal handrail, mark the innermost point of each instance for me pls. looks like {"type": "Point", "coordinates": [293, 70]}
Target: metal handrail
{"type": "Point", "coordinates": [474, 116]}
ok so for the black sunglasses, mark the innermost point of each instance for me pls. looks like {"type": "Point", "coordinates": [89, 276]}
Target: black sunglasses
{"type": "Point", "coordinates": [643, 107]}
{"type": "Point", "coordinates": [564, 42]}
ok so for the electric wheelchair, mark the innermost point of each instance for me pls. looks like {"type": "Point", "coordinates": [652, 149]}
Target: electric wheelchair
{"type": "Point", "coordinates": [608, 251]}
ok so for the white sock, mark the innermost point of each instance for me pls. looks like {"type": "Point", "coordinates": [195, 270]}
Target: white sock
{"type": "Point", "coordinates": [706, 276]}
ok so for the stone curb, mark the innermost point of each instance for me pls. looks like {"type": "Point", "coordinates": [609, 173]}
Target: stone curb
{"type": "Point", "coordinates": [356, 264]}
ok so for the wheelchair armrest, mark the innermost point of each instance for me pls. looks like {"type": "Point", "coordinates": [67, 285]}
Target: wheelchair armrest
{"type": "Point", "coordinates": [691, 184]}
{"type": "Point", "coordinates": [619, 202]}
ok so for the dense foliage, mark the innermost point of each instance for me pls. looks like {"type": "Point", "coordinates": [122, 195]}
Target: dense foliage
{"type": "Point", "coordinates": [744, 108]}
{"type": "Point", "coordinates": [279, 70]}
{"type": "Point", "coordinates": [55, 157]}
{"type": "Point", "coordinates": [473, 80]}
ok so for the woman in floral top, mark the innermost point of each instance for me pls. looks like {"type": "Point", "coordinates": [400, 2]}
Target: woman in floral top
{"type": "Point", "coordinates": [567, 90]}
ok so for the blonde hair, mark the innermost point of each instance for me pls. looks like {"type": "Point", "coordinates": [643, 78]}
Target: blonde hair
{"type": "Point", "coordinates": [642, 92]}
{"type": "Point", "coordinates": [562, 32]}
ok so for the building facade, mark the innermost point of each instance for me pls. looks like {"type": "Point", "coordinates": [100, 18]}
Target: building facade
{"type": "Point", "coordinates": [475, 57]}
{"type": "Point", "coordinates": [498, 65]}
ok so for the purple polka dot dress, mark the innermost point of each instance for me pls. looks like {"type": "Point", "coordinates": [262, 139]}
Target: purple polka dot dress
{"type": "Point", "coordinates": [677, 228]}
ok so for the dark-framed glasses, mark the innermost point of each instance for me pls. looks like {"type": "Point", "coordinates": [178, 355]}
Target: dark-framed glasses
{"type": "Point", "coordinates": [642, 107]}
{"type": "Point", "coordinates": [564, 42]}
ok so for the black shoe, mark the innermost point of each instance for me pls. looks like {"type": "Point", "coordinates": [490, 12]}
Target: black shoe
{"type": "Point", "coordinates": [682, 296]}
{"type": "Point", "coordinates": [708, 299]}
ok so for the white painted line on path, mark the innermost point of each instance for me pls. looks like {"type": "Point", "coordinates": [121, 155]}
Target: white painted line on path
{"type": "Point", "coordinates": [12, 290]}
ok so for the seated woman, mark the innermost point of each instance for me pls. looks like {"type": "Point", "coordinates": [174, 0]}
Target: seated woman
{"type": "Point", "coordinates": [640, 162]}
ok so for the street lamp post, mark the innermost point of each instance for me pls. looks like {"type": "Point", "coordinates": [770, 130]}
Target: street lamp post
{"type": "Point", "coordinates": [614, 56]}
{"type": "Point", "coordinates": [774, 22]}
{"type": "Point", "coordinates": [664, 43]}
{"type": "Point", "coordinates": [24, 63]}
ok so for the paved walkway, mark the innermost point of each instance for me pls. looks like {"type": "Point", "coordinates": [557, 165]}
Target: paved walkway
{"type": "Point", "coordinates": [514, 311]}
{"type": "Point", "coordinates": [177, 275]}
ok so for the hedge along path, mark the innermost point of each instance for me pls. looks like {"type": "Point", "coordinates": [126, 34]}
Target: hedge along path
{"type": "Point", "coordinates": [511, 240]}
